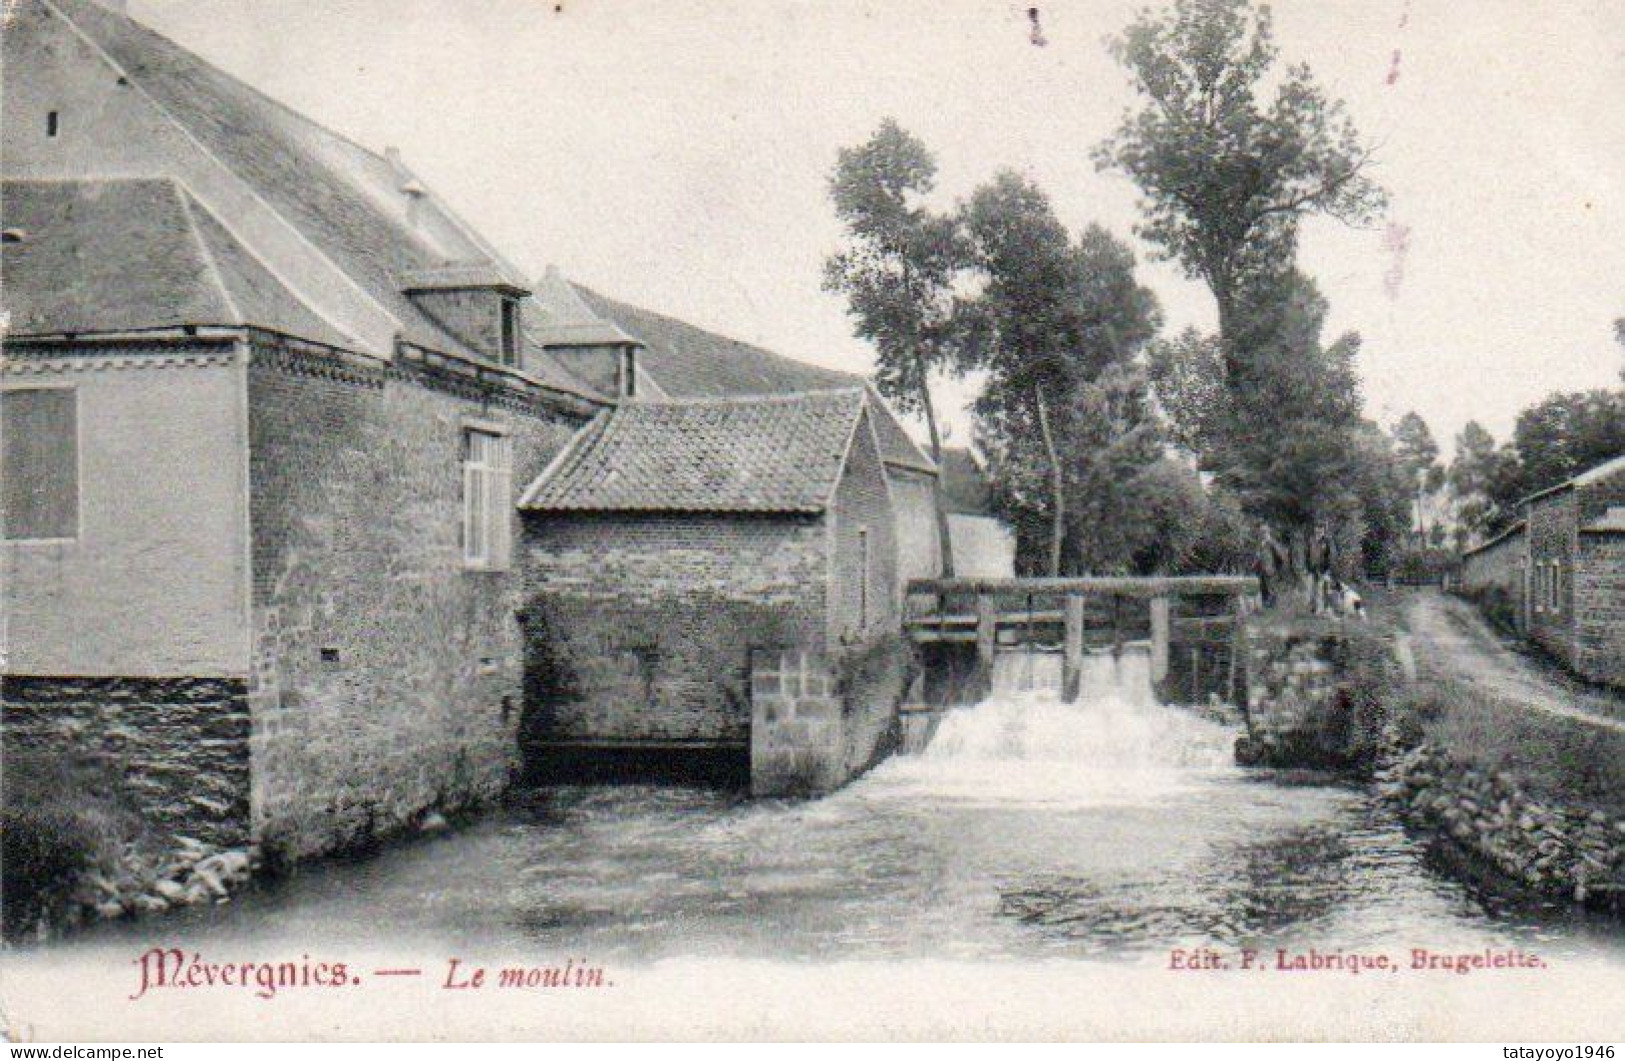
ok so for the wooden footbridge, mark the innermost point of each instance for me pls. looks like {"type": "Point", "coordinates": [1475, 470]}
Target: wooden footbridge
{"type": "Point", "coordinates": [1074, 615]}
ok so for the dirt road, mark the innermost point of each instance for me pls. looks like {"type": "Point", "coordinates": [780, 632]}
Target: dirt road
{"type": "Point", "coordinates": [1448, 634]}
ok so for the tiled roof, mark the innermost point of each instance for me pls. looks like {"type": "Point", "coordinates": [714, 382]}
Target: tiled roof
{"type": "Point", "coordinates": [778, 453]}
{"type": "Point", "coordinates": [1610, 522]}
{"type": "Point", "coordinates": [133, 255]}
{"type": "Point", "coordinates": [348, 202]}
{"type": "Point", "coordinates": [689, 362]}
{"type": "Point", "coordinates": [1596, 474]}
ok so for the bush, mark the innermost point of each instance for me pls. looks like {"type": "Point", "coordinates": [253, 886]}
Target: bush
{"type": "Point", "coordinates": [61, 823]}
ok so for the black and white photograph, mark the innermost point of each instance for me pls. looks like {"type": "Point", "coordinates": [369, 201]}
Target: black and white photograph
{"type": "Point", "coordinates": [790, 521]}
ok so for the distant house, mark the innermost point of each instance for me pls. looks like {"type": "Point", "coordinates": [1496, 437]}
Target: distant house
{"type": "Point", "coordinates": [648, 356]}
{"type": "Point", "coordinates": [680, 546]}
{"type": "Point", "coordinates": [983, 546]}
{"type": "Point", "coordinates": [262, 399]}
{"type": "Point", "coordinates": [1575, 573]}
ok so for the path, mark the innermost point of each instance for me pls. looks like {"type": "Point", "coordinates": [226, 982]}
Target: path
{"type": "Point", "coordinates": [1449, 634]}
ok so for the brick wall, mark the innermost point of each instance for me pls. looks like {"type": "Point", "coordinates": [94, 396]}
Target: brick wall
{"type": "Point", "coordinates": [639, 627]}
{"type": "Point", "coordinates": [386, 677]}
{"type": "Point", "coordinates": [1553, 537]}
{"type": "Point", "coordinates": [180, 745]}
{"type": "Point", "coordinates": [1599, 592]}
{"type": "Point", "coordinates": [863, 509]}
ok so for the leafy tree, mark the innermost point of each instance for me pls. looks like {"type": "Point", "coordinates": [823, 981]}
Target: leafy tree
{"type": "Point", "coordinates": [1227, 169]}
{"type": "Point", "coordinates": [1231, 155]}
{"type": "Point", "coordinates": [1188, 376]}
{"type": "Point", "coordinates": [1471, 476]}
{"type": "Point", "coordinates": [1057, 326]}
{"type": "Point", "coordinates": [1420, 456]}
{"type": "Point", "coordinates": [898, 271]}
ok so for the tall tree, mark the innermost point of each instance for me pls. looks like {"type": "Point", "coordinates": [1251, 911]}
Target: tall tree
{"type": "Point", "coordinates": [1419, 454]}
{"type": "Point", "coordinates": [1472, 473]}
{"type": "Point", "coordinates": [1228, 169]}
{"type": "Point", "coordinates": [898, 271]}
{"type": "Point", "coordinates": [1231, 156]}
{"type": "Point", "coordinates": [1057, 326]}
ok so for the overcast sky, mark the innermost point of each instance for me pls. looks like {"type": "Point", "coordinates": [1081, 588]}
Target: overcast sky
{"type": "Point", "coordinates": [675, 153]}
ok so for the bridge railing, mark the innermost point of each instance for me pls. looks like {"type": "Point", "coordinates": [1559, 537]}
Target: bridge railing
{"type": "Point", "coordinates": [979, 609]}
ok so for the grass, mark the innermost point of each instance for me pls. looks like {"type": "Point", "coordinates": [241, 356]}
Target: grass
{"type": "Point", "coordinates": [61, 823]}
{"type": "Point", "coordinates": [1553, 758]}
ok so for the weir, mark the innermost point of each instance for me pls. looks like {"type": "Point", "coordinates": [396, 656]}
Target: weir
{"type": "Point", "coordinates": [1070, 616]}
{"type": "Point", "coordinates": [1024, 743]}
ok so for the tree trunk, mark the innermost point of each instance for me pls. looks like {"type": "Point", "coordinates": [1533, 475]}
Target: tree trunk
{"type": "Point", "coordinates": [945, 545]}
{"type": "Point", "coordinates": [1058, 524]}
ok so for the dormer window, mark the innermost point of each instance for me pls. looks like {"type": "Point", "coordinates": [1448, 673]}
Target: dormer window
{"type": "Point", "coordinates": [510, 331]}
{"type": "Point", "coordinates": [473, 303]}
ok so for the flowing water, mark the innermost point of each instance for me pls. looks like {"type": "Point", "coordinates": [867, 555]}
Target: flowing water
{"type": "Point", "coordinates": [1111, 830]}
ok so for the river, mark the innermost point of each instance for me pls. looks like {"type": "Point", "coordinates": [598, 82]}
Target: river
{"type": "Point", "coordinates": [1109, 843]}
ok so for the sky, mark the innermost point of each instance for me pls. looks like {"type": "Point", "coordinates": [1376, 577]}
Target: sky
{"type": "Point", "coordinates": [676, 154]}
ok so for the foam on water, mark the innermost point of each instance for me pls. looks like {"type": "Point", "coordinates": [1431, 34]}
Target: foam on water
{"type": "Point", "coordinates": [1116, 745]}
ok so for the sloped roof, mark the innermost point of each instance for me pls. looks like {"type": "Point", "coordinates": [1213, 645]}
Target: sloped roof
{"type": "Point", "coordinates": [1610, 522]}
{"type": "Point", "coordinates": [1596, 474]}
{"type": "Point", "coordinates": [345, 200]}
{"type": "Point", "coordinates": [689, 362]}
{"type": "Point", "coordinates": [769, 454]}
{"type": "Point", "coordinates": [965, 487]}
{"type": "Point", "coordinates": [133, 255]}
{"type": "Point", "coordinates": [561, 318]}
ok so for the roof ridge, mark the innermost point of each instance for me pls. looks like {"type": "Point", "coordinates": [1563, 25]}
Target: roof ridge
{"type": "Point", "coordinates": [781, 397]}
{"type": "Point", "coordinates": [184, 198]}
{"type": "Point", "coordinates": [188, 134]}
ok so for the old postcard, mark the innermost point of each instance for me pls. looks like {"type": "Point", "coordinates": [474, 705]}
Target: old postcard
{"type": "Point", "coordinates": [723, 520]}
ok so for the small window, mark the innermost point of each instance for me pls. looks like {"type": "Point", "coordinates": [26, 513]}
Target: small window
{"type": "Point", "coordinates": [510, 331]}
{"type": "Point", "coordinates": [52, 125]}
{"type": "Point", "coordinates": [487, 500]}
{"type": "Point", "coordinates": [863, 578]}
{"type": "Point", "coordinates": [39, 464]}
{"type": "Point", "coordinates": [629, 373]}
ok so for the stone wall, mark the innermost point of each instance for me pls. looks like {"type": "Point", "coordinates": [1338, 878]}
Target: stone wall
{"type": "Point", "coordinates": [387, 676]}
{"type": "Point", "coordinates": [1316, 689]}
{"type": "Point", "coordinates": [1599, 601]}
{"type": "Point", "coordinates": [1556, 850]}
{"type": "Point", "coordinates": [1553, 536]}
{"type": "Point", "coordinates": [639, 628]}
{"type": "Point", "coordinates": [863, 601]}
{"type": "Point", "coordinates": [1494, 576]}
{"type": "Point", "coordinates": [818, 722]}
{"type": "Point", "coordinates": [181, 744]}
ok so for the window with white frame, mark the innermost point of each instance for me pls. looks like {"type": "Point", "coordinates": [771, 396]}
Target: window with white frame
{"type": "Point", "coordinates": [487, 500]}
{"type": "Point", "coordinates": [39, 464]}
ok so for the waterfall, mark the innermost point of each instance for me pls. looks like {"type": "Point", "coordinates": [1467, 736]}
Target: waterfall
{"type": "Point", "coordinates": [1115, 745]}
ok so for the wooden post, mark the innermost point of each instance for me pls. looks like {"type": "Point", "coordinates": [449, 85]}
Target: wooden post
{"type": "Point", "coordinates": [1160, 635]}
{"type": "Point", "coordinates": [987, 639]}
{"type": "Point", "coordinates": [1117, 627]}
{"type": "Point", "coordinates": [1072, 650]}
{"type": "Point", "coordinates": [1245, 605]}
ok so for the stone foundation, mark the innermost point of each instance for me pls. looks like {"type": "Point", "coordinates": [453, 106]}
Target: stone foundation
{"type": "Point", "coordinates": [816, 725]}
{"type": "Point", "coordinates": [181, 744]}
